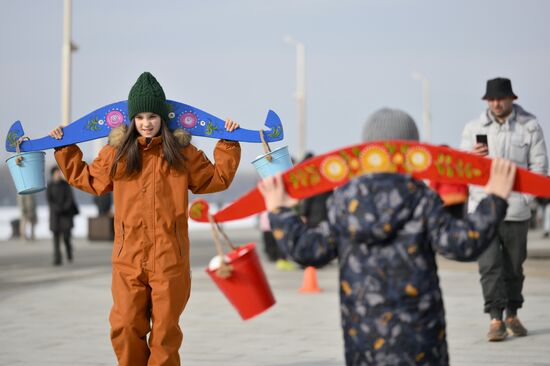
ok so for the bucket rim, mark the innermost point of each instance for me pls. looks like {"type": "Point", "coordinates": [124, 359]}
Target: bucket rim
{"type": "Point", "coordinates": [269, 153]}
{"type": "Point", "coordinates": [251, 246]}
{"type": "Point", "coordinates": [25, 153]}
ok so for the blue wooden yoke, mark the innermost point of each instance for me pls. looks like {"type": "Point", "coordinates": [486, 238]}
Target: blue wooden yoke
{"type": "Point", "coordinates": [100, 122]}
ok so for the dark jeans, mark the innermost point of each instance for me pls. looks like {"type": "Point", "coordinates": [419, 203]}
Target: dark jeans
{"type": "Point", "coordinates": [270, 247]}
{"type": "Point", "coordinates": [501, 268]}
{"type": "Point", "coordinates": [56, 246]}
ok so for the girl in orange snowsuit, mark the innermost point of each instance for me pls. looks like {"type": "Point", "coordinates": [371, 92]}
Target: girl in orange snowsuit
{"type": "Point", "coordinates": [149, 169]}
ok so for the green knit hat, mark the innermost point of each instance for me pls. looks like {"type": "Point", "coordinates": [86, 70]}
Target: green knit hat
{"type": "Point", "coordinates": [147, 96]}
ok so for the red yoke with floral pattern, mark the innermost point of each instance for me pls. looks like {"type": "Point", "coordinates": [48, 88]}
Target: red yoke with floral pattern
{"type": "Point", "coordinates": [328, 171]}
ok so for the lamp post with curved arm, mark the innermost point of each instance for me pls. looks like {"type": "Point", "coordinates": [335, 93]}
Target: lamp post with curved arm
{"type": "Point", "coordinates": [300, 93]}
{"type": "Point", "coordinates": [426, 117]}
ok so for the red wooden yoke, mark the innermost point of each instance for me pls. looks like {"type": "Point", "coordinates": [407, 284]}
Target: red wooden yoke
{"type": "Point", "coordinates": [333, 169]}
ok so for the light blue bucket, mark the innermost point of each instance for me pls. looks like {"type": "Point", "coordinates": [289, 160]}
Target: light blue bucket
{"type": "Point", "coordinates": [28, 175]}
{"type": "Point", "coordinates": [279, 163]}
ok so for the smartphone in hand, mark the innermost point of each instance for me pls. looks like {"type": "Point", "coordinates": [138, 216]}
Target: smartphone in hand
{"type": "Point", "coordinates": [482, 139]}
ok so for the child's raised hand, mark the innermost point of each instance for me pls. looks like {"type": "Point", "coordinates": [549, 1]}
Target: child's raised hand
{"type": "Point", "coordinates": [231, 125]}
{"type": "Point", "coordinates": [273, 190]}
{"type": "Point", "coordinates": [57, 133]}
{"type": "Point", "coordinates": [501, 181]}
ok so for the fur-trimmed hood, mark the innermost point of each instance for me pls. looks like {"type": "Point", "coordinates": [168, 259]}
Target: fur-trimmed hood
{"type": "Point", "coordinates": [116, 136]}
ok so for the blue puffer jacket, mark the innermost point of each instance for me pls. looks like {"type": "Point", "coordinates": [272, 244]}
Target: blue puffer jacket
{"type": "Point", "coordinates": [385, 230]}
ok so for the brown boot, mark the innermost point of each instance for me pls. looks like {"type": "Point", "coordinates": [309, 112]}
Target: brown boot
{"type": "Point", "coordinates": [514, 327]}
{"type": "Point", "coordinates": [497, 331]}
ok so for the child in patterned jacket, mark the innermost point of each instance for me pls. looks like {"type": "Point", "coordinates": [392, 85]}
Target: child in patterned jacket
{"type": "Point", "coordinates": [385, 230]}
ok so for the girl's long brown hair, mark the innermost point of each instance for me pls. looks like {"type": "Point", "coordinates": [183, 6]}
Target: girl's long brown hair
{"type": "Point", "coordinates": [129, 149]}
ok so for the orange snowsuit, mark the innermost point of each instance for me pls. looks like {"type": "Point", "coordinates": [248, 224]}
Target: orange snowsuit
{"type": "Point", "coordinates": [151, 280]}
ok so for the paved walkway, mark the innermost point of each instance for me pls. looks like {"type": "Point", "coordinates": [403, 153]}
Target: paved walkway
{"type": "Point", "coordinates": [64, 321]}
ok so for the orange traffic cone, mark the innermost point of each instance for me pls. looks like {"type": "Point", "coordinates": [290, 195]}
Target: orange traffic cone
{"type": "Point", "coordinates": [310, 281]}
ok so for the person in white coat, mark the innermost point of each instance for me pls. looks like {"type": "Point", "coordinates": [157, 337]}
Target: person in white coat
{"type": "Point", "coordinates": [505, 130]}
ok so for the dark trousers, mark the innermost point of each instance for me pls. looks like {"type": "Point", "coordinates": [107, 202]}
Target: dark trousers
{"type": "Point", "coordinates": [501, 268]}
{"type": "Point", "coordinates": [270, 246]}
{"type": "Point", "coordinates": [56, 246]}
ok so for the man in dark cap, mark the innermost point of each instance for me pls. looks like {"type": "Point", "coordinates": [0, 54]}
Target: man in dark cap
{"type": "Point", "coordinates": [505, 130]}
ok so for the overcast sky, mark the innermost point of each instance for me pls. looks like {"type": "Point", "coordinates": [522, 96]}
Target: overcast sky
{"type": "Point", "coordinates": [229, 58]}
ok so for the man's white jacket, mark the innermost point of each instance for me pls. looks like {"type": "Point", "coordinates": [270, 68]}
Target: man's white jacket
{"type": "Point", "coordinates": [519, 139]}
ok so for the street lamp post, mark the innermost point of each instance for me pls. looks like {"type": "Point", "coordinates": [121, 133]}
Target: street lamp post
{"type": "Point", "coordinates": [426, 117]}
{"type": "Point", "coordinates": [300, 93]}
{"type": "Point", "coordinates": [66, 69]}
{"type": "Point", "coordinates": [66, 64]}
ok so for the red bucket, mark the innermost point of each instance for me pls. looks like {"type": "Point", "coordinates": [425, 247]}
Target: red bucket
{"type": "Point", "coordinates": [247, 288]}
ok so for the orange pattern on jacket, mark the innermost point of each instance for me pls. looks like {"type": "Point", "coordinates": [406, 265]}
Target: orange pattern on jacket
{"type": "Point", "coordinates": [151, 280]}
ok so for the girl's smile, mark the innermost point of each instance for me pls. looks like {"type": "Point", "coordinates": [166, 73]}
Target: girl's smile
{"type": "Point", "coordinates": [147, 124]}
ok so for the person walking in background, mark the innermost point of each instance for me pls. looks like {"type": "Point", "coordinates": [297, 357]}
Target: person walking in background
{"type": "Point", "coordinates": [270, 244]}
{"type": "Point", "coordinates": [505, 130]}
{"type": "Point", "coordinates": [385, 229]}
{"type": "Point", "coordinates": [103, 203]}
{"type": "Point", "coordinates": [63, 208]}
{"type": "Point", "coordinates": [27, 207]}
{"type": "Point", "coordinates": [313, 210]}
{"type": "Point", "coordinates": [274, 254]}
{"type": "Point", "coordinates": [150, 170]}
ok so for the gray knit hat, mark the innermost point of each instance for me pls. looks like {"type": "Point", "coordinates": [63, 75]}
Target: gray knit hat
{"type": "Point", "coordinates": [390, 124]}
